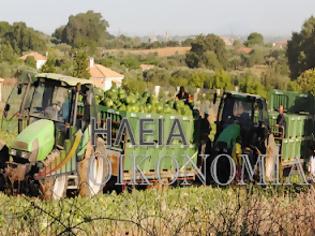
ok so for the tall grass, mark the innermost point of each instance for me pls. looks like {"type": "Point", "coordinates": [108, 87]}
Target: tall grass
{"type": "Point", "coordinates": [189, 211]}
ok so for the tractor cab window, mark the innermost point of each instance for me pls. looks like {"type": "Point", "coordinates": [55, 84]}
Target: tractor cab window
{"type": "Point", "coordinates": [84, 109]}
{"type": "Point", "coordinates": [12, 107]}
{"type": "Point", "coordinates": [51, 101]}
{"type": "Point", "coordinates": [260, 112]}
{"type": "Point", "coordinates": [237, 110]}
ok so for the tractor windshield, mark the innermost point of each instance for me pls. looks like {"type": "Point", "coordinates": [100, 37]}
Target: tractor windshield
{"type": "Point", "coordinates": [51, 101]}
{"type": "Point", "coordinates": [237, 110]}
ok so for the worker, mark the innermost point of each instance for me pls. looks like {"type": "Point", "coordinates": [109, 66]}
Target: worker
{"type": "Point", "coordinates": [281, 122]}
{"type": "Point", "coordinates": [204, 140]}
{"type": "Point", "coordinates": [183, 95]}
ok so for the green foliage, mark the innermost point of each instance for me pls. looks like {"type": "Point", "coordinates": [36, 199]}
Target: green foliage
{"type": "Point", "coordinates": [306, 81]}
{"type": "Point", "coordinates": [250, 84]}
{"type": "Point", "coordinates": [83, 30]}
{"type": "Point", "coordinates": [207, 51]}
{"type": "Point", "coordinates": [49, 66]}
{"type": "Point", "coordinates": [221, 80]}
{"type": "Point", "coordinates": [30, 61]}
{"type": "Point", "coordinates": [256, 57]}
{"type": "Point", "coordinates": [22, 38]}
{"type": "Point", "coordinates": [7, 53]}
{"type": "Point", "coordinates": [158, 76]}
{"type": "Point", "coordinates": [254, 39]}
{"type": "Point", "coordinates": [301, 48]}
{"type": "Point", "coordinates": [134, 82]}
{"type": "Point", "coordinates": [81, 65]}
{"type": "Point", "coordinates": [293, 86]}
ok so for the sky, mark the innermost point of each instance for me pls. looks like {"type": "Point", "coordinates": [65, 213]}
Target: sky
{"type": "Point", "coordinates": [176, 17]}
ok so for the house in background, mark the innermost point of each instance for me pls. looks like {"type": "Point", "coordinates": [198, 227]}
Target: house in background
{"type": "Point", "coordinates": [244, 50]}
{"type": "Point", "coordinates": [103, 77]}
{"type": "Point", "coordinates": [39, 58]}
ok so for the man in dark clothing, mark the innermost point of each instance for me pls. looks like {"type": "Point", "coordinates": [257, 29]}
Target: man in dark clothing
{"type": "Point", "coordinates": [281, 121]}
{"type": "Point", "coordinates": [204, 141]}
{"type": "Point", "coordinates": [183, 95]}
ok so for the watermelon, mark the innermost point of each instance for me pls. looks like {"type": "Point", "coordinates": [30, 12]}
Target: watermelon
{"type": "Point", "coordinates": [118, 98]}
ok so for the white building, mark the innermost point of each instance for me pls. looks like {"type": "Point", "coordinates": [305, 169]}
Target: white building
{"type": "Point", "coordinates": [104, 77]}
{"type": "Point", "coordinates": [39, 58]}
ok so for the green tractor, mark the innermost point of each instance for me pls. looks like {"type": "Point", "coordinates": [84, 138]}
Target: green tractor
{"type": "Point", "coordinates": [242, 127]}
{"type": "Point", "coordinates": [52, 154]}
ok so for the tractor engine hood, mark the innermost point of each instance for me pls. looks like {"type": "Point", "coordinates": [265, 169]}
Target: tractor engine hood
{"type": "Point", "coordinates": [35, 142]}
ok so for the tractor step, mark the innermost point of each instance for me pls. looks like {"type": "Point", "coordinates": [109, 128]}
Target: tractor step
{"type": "Point", "coordinates": [73, 182]}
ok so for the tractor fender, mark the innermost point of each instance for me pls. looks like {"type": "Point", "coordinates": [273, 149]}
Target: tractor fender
{"type": "Point", "coordinates": [271, 158]}
{"type": "Point", "coordinates": [93, 169]}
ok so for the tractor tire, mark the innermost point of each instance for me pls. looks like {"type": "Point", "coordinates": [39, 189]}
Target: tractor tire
{"type": "Point", "coordinates": [93, 170]}
{"type": "Point", "coordinates": [54, 188]}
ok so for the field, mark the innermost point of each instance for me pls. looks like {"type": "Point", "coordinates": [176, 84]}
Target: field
{"type": "Point", "coordinates": [161, 52]}
{"type": "Point", "coordinates": [181, 211]}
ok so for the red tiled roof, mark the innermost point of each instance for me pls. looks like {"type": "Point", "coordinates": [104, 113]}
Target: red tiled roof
{"type": "Point", "coordinates": [244, 50]}
{"type": "Point", "coordinates": [37, 56]}
{"type": "Point", "coordinates": [100, 71]}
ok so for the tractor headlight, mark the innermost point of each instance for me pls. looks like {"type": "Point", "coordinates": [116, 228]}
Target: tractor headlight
{"type": "Point", "coordinates": [13, 152]}
{"type": "Point", "coordinates": [24, 155]}
{"type": "Point", "coordinates": [21, 154]}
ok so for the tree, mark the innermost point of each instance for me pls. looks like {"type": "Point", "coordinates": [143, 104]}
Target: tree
{"type": "Point", "coordinates": [83, 30]}
{"type": "Point", "coordinates": [256, 57]}
{"type": "Point", "coordinates": [254, 39]}
{"type": "Point", "coordinates": [7, 53]}
{"type": "Point", "coordinates": [306, 81]}
{"type": "Point", "coordinates": [207, 51]}
{"type": "Point", "coordinates": [22, 38]}
{"type": "Point", "coordinates": [222, 80]}
{"type": "Point", "coordinates": [301, 48]}
{"type": "Point", "coordinates": [81, 65]}
{"type": "Point", "coordinates": [30, 61]}
{"type": "Point", "coordinates": [211, 61]}
{"type": "Point", "coordinates": [250, 84]}
{"type": "Point", "coordinates": [49, 66]}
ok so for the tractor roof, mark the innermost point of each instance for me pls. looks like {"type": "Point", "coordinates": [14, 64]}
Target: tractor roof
{"type": "Point", "coordinates": [71, 81]}
{"type": "Point", "coordinates": [243, 95]}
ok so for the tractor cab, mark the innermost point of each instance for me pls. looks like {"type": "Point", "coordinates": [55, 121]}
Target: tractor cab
{"type": "Point", "coordinates": [53, 113]}
{"type": "Point", "coordinates": [248, 112]}
{"type": "Point", "coordinates": [64, 100]}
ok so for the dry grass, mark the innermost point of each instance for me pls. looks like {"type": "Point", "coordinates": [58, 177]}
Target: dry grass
{"type": "Point", "coordinates": [161, 52]}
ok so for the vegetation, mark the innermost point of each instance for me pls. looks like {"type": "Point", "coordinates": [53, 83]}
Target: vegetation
{"type": "Point", "coordinates": [301, 49]}
{"type": "Point", "coordinates": [181, 211]}
{"type": "Point", "coordinates": [207, 51]}
{"type": "Point", "coordinates": [209, 63]}
{"type": "Point", "coordinates": [83, 30]}
{"type": "Point", "coordinates": [254, 39]}
{"type": "Point", "coordinates": [306, 81]}
{"type": "Point", "coordinates": [81, 65]}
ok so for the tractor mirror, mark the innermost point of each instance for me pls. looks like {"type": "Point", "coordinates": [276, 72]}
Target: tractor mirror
{"type": "Point", "coordinates": [7, 107]}
{"type": "Point", "coordinates": [6, 110]}
{"type": "Point", "coordinates": [19, 89]}
{"type": "Point", "coordinates": [215, 96]}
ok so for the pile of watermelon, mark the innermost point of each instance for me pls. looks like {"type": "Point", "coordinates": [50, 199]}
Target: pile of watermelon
{"type": "Point", "coordinates": [125, 101]}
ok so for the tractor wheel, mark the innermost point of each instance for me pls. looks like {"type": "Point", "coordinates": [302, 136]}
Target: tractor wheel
{"type": "Point", "coordinates": [93, 170]}
{"type": "Point", "coordinates": [55, 188]}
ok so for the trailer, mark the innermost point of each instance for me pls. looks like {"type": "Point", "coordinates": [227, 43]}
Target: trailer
{"type": "Point", "coordinates": [157, 160]}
